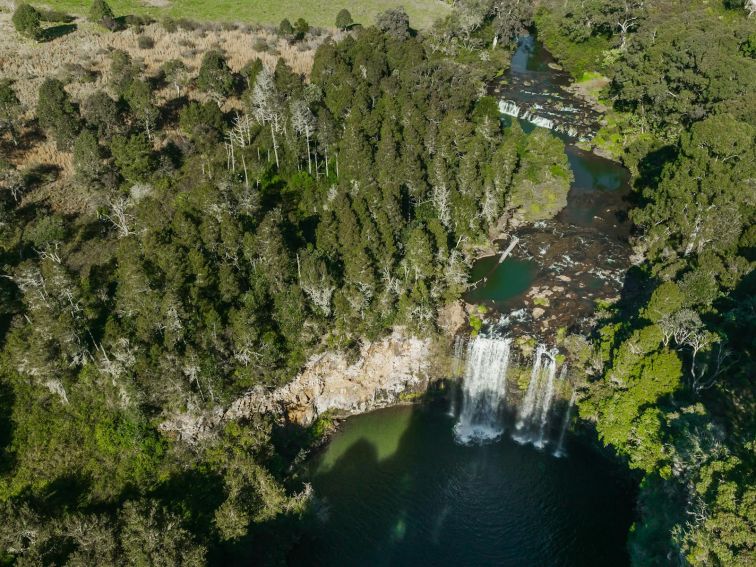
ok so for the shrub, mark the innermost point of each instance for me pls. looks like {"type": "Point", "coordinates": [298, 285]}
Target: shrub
{"type": "Point", "coordinates": [215, 77]}
{"type": "Point", "coordinates": [123, 71]}
{"type": "Point", "coordinates": [260, 45]}
{"type": "Point", "coordinates": [169, 25]}
{"type": "Point", "coordinates": [101, 112]}
{"type": "Point", "coordinates": [133, 156]}
{"type": "Point", "coordinates": [394, 22]}
{"type": "Point", "coordinates": [285, 28]}
{"type": "Point", "coordinates": [26, 20]}
{"type": "Point", "coordinates": [202, 122]}
{"type": "Point", "coordinates": [344, 19]}
{"type": "Point", "coordinates": [87, 158]}
{"type": "Point", "coordinates": [301, 27]}
{"type": "Point", "coordinates": [46, 230]}
{"type": "Point", "coordinates": [57, 114]}
{"type": "Point", "coordinates": [187, 25]}
{"type": "Point", "coordinates": [55, 16]}
{"type": "Point", "coordinates": [100, 12]}
{"type": "Point", "coordinates": [145, 42]}
{"type": "Point", "coordinates": [79, 73]}
{"type": "Point", "coordinates": [137, 21]}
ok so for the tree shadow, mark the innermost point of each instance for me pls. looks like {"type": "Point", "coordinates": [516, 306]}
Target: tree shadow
{"type": "Point", "coordinates": [41, 174]}
{"type": "Point", "coordinates": [56, 32]}
{"type": "Point", "coordinates": [194, 495]}
{"type": "Point", "coordinates": [651, 167]}
{"type": "Point", "coordinates": [172, 108]}
{"type": "Point", "coordinates": [66, 491]}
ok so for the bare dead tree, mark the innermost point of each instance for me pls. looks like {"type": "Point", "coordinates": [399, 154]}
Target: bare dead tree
{"type": "Point", "coordinates": [265, 106]}
{"type": "Point", "coordinates": [119, 217]}
{"type": "Point", "coordinates": [303, 121]}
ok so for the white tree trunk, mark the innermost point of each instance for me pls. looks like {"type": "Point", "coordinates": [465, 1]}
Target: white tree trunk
{"type": "Point", "coordinates": [509, 249]}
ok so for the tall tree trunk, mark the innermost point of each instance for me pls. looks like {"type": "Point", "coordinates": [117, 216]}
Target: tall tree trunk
{"type": "Point", "coordinates": [275, 144]}
{"type": "Point", "coordinates": [309, 163]}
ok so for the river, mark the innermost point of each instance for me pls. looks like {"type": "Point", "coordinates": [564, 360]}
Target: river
{"type": "Point", "coordinates": [394, 487]}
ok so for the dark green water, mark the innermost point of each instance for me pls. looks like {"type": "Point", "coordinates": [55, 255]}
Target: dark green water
{"type": "Point", "coordinates": [397, 490]}
{"type": "Point", "coordinates": [597, 194]}
{"type": "Point", "coordinates": [501, 283]}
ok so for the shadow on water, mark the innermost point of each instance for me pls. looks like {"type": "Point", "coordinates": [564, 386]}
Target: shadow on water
{"type": "Point", "coordinates": [418, 498]}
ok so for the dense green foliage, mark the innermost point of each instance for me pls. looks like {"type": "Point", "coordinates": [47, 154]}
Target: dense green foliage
{"type": "Point", "coordinates": [10, 110]}
{"type": "Point", "coordinates": [26, 20]}
{"type": "Point", "coordinates": [344, 19]}
{"type": "Point", "coordinates": [100, 12]}
{"type": "Point", "coordinates": [57, 114]}
{"type": "Point", "coordinates": [673, 390]}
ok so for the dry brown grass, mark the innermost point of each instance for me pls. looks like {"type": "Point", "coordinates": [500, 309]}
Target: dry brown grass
{"type": "Point", "coordinates": [88, 47]}
{"type": "Point", "coordinates": [30, 63]}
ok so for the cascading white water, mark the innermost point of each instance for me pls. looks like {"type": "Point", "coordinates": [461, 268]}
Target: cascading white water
{"type": "Point", "coordinates": [547, 399]}
{"type": "Point", "coordinates": [457, 370]}
{"type": "Point", "coordinates": [509, 108]}
{"type": "Point", "coordinates": [560, 452]}
{"type": "Point", "coordinates": [531, 396]}
{"type": "Point", "coordinates": [533, 417]}
{"type": "Point", "coordinates": [539, 120]}
{"type": "Point", "coordinates": [484, 389]}
{"type": "Point", "coordinates": [459, 355]}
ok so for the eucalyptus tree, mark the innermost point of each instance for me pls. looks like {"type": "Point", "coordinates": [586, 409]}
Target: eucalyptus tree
{"type": "Point", "coordinates": [57, 114]}
{"type": "Point", "coordinates": [215, 78]}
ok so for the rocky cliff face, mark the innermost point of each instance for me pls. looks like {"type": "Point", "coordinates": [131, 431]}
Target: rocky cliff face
{"type": "Point", "coordinates": [385, 371]}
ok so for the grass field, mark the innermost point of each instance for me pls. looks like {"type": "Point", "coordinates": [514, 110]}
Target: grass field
{"type": "Point", "coordinates": [422, 13]}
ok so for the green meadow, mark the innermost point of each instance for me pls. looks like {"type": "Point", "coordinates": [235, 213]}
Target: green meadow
{"type": "Point", "coordinates": [422, 13]}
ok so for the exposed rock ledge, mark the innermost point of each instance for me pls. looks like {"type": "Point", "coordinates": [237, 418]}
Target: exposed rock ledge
{"type": "Point", "coordinates": [385, 370]}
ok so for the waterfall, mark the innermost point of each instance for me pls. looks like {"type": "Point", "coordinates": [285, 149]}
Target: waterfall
{"type": "Point", "coordinates": [538, 120]}
{"type": "Point", "coordinates": [547, 399]}
{"type": "Point", "coordinates": [534, 412]}
{"type": "Point", "coordinates": [458, 355]}
{"type": "Point", "coordinates": [529, 403]}
{"type": "Point", "coordinates": [458, 366]}
{"type": "Point", "coordinates": [560, 452]}
{"type": "Point", "coordinates": [509, 108]}
{"type": "Point", "coordinates": [484, 389]}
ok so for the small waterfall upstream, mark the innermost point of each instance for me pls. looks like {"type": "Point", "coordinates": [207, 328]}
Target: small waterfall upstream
{"type": "Point", "coordinates": [511, 108]}
{"type": "Point", "coordinates": [484, 389]}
